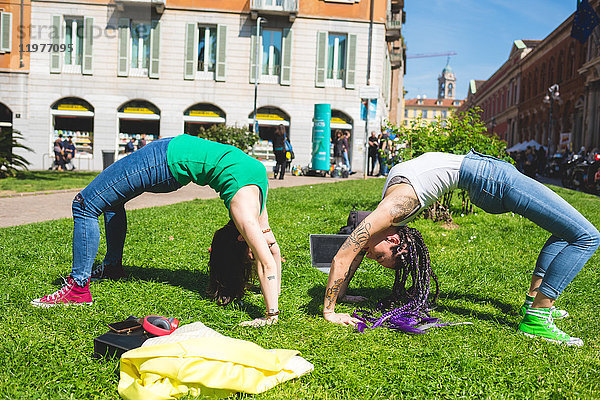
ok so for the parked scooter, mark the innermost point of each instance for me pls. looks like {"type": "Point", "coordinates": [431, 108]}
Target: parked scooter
{"type": "Point", "coordinates": [581, 174]}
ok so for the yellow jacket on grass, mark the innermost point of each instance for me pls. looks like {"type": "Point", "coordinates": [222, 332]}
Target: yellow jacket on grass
{"type": "Point", "coordinates": [213, 366]}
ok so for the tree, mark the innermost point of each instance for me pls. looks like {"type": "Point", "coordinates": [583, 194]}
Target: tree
{"type": "Point", "coordinates": [9, 161]}
{"type": "Point", "coordinates": [233, 135]}
{"type": "Point", "coordinates": [458, 134]}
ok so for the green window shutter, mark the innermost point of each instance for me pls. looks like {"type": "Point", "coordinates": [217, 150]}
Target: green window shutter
{"type": "Point", "coordinates": [351, 62]}
{"type": "Point", "coordinates": [191, 58]}
{"type": "Point", "coordinates": [123, 63]}
{"type": "Point", "coordinates": [55, 38]}
{"type": "Point", "coordinates": [286, 58]}
{"type": "Point", "coordinates": [154, 50]}
{"type": "Point", "coordinates": [253, 55]}
{"type": "Point", "coordinates": [5, 31]}
{"type": "Point", "coordinates": [221, 52]}
{"type": "Point", "coordinates": [321, 59]}
{"type": "Point", "coordinates": [88, 41]}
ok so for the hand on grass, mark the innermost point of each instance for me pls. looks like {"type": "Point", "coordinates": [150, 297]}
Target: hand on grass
{"type": "Point", "coordinates": [341, 318]}
{"type": "Point", "coordinates": [260, 321]}
{"type": "Point", "coordinates": [353, 299]}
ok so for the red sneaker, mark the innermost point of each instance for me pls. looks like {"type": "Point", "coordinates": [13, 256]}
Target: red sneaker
{"type": "Point", "coordinates": [71, 293]}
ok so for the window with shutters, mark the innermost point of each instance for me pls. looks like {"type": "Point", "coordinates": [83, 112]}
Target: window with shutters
{"type": "Point", "coordinates": [73, 40]}
{"type": "Point", "coordinates": [140, 48]}
{"type": "Point", "coordinates": [5, 32]}
{"type": "Point", "coordinates": [336, 59]}
{"type": "Point", "coordinates": [270, 56]}
{"type": "Point", "coordinates": [207, 52]}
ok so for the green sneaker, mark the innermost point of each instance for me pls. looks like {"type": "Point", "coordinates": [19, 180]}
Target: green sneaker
{"type": "Point", "coordinates": [556, 313]}
{"type": "Point", "coordinates": [537, 322]}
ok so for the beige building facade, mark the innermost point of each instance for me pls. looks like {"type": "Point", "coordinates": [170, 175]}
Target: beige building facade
{"type": "Point", "coordinates": [112, 71]}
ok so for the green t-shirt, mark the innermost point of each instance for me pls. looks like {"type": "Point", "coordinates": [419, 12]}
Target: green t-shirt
{"type": "Point", "coordinates": [224, 168]}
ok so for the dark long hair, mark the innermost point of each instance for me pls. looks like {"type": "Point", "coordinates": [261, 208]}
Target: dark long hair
{"type": "Point", "coordinates": [412, 259]}
{"type": "Point", "coordinates": [230, 268]}
{"type": "Point", "coordinates": [406, 310]}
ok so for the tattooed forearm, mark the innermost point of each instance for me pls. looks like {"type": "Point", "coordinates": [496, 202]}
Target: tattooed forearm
{"type": "Point", "coordinates": [402, 208]}
{"type": "Point", "coordinates": [332, 293]}
{"type": "Point", "coordinates": [359, 237]}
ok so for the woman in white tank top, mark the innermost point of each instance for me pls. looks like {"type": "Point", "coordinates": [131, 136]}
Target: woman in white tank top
{"type": "Point", "coordinates": [495, 186]}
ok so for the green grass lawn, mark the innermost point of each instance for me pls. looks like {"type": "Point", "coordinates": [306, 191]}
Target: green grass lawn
{"type": "Point", "coordinates": [35, 181]}
{"type": "Point", "coordinates": [484, 268]}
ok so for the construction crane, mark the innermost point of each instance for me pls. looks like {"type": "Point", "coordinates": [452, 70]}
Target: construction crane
{"type": "Point", "coordinates": [424, 55]}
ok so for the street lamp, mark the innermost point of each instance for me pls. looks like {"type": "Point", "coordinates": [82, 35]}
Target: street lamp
{"type": "Point", "coordinates": [259, 20]}
{"type": "Point", "coordinates": [552, 96]}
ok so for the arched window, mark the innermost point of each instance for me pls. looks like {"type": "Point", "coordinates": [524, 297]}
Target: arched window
{"type": "Point", "coordinates": [74, 117]}
{"type": "Point", "coordinates": [139, 121]}
{"type": "Point", "coordinates": [201, 116]}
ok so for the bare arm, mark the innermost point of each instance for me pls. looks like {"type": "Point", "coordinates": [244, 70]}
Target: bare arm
{"type": "Point", "coordinates": [245, 210]}
{"type": "Point", "coordinates": [399, 202]}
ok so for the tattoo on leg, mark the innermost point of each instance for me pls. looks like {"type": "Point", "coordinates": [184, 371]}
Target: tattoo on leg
{"type": "Point", "coordinates": [403, 208]}
{"type": "Point", "coordinates": [271, 277]}
{"type": "Point", "coordinates": [359, 237]}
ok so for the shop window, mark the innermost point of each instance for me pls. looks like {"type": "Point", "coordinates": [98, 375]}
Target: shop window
{"type": "Point", "coordinates": [139, 123]}
{"type": "Point", "coordinates": [202, 116]}
{"type": "Point", "coordinates": [341, 121]}
{"type": "Point", "coordinates": [268, 118]}
{"type": "Point", "coordinates": [74, 117]}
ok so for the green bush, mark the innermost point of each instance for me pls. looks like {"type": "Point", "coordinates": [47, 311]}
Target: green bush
{"type": "Point", "coordinates": [9, 161]}
{"type": "Point", "coordinates": [458, 134]}
{"type": "Point", "coordinates": [241, 138]}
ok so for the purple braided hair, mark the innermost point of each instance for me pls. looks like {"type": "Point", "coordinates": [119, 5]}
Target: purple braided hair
{"type": "Point", "coordinates": [406, 310]}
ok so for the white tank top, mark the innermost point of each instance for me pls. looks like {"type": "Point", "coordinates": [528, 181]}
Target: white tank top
{"type": "Point", "coordinates": [431, 175]}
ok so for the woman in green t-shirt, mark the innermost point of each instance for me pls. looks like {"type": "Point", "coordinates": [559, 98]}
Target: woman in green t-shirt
{"type": "Point", "coordinates": [166, 165]}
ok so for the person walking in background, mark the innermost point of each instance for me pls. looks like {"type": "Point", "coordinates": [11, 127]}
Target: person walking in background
{"type": "Point", "coordinates": [59, 160]}
{"type": "Point", "coordinates": [130, 146]}
{"type": "Point", "coordinates": [384, 151]}
{"type": "Point", "coordinates": [373, 152]}
{"type": "Point", "coordinates": [279, 150]}
{"type": "Point", "coordinates": [141, 141]}
{"type": "Point", "coordinates": [346, 142]}
{"type": "Point", "coordinates": [69, 152]}
{"type": "Point", "coordinates": [338, 148]}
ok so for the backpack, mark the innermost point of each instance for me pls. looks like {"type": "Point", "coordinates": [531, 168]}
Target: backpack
{"type": "Point", "coordinates": [354, 218]}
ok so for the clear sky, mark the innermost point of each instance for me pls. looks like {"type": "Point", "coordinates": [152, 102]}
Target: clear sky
{"type": "Point", "coordinates": [481, 32]}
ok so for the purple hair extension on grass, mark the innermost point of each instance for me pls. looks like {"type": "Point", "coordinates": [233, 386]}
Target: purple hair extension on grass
{"type": "Point", "coordinates": [413, 314]}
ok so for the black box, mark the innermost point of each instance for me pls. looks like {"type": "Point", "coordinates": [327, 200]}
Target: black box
{"type": "Point", "coordinates": [323, 248]}
{"type": "Point", "coordinates": [113, 344]}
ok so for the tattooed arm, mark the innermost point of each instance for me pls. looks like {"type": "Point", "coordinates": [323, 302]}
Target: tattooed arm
{"type": "Point", "coordinates": [400, 201]}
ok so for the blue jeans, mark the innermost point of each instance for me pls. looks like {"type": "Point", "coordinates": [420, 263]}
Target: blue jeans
{"type": "Point", "coordinates": [497, 187]}
{"type": "Point", "coordinates": [145, 170]}
{"type": "Point", "coordinates": [347, 161]}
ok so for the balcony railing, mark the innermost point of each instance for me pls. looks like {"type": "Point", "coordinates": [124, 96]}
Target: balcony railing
{"type": "Point", "coordinates": [393, 29]}
{"type": "Point", "coordinates": [274, 7]}
{"type": "Point", "coordinates": [396, 58]}
{"type": "Point", "coordinates": [158, 4]}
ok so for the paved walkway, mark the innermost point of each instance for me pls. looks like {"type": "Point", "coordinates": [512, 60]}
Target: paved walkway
{"type": "Point", "coordinates": [27, 208]}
